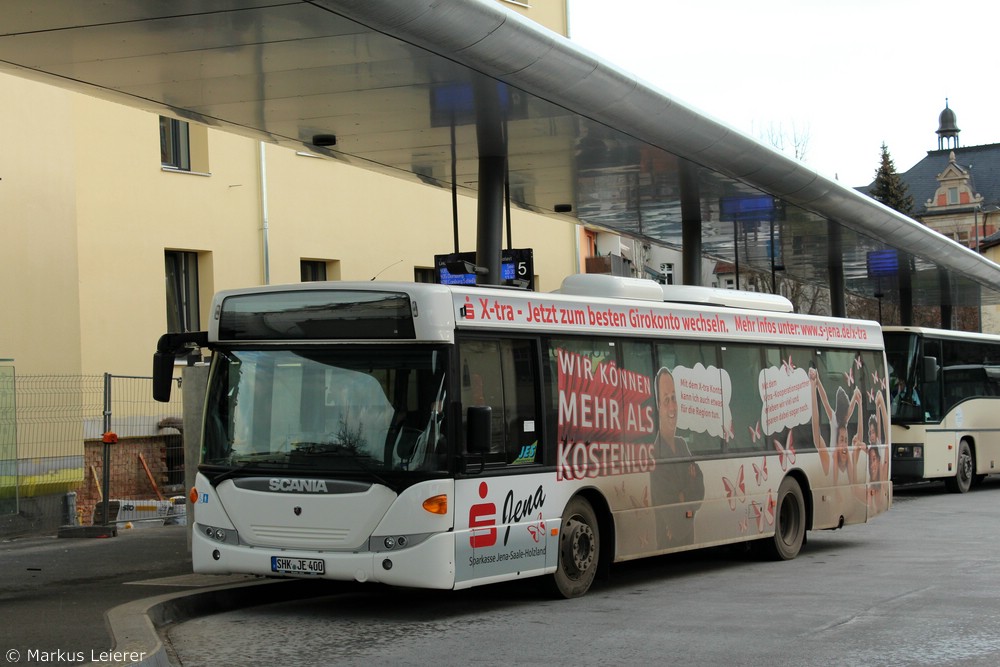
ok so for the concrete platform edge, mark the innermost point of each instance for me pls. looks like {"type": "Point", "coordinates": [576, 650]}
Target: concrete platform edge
{"type": "Point", "coordinates": [135, 626]}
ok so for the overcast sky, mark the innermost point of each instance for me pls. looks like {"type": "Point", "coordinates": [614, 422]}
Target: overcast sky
{"type": "Point", "coordinates": [847, 74]}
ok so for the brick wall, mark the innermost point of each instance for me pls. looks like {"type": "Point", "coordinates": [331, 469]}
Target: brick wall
{"type": "Point", "coordinates": [128, 479]}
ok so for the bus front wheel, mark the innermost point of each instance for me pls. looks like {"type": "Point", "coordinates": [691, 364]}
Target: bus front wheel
{"type": "Point", "coordinates": [579, 549]}
{"type": "Point", "coordinates": [965, 472]}
{"type": "Point", "coordinates": [789, 522]}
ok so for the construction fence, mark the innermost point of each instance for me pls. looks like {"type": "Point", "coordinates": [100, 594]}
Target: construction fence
{"type": "Point", "coordinates": [87, 449]}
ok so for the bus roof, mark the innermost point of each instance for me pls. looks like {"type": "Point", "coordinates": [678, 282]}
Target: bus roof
{"type": "Point", "coordinates": [590, 284]}
{"type": "Point", "coordinates": [944, 333]}
{"type": "Point", "coordinates": [598, 304]}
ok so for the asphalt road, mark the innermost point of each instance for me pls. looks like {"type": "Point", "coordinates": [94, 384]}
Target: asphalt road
{"type": "Point", "coordinates": [54, 592]}
{"type": "Point", "coordinates": [917, 586]}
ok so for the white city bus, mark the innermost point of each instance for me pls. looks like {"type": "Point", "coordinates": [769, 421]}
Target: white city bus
{"type": "Point", "coordinates": [945, 404]}
{"type": "Point", "coordinates": [451, 436]}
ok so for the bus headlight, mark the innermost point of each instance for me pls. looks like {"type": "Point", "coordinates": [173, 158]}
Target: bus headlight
{"type": "Point", "coordinates": [909, 451]}
{"type": "Point", "coordinates": [224, 535]}
{"type": "Point", "coordinates": [391, 542]}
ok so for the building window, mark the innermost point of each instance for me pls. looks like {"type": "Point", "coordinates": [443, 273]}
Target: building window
{"type": "Point", "coordinates": [312, 270]}
{"type": "Point", "coordinates": [667, 269]}
{"type": "Point", "coordinates": [952, 195]}
{"type": "Point", "coordinates": [175, 144]}
{"type": "Point", "coordinates": [182, 291]}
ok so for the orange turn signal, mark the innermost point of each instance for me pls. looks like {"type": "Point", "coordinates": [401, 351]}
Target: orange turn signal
{"type": "Point", "coordinates": [193, 495]}
{"type": "Point", "coordinates": [437, 504]}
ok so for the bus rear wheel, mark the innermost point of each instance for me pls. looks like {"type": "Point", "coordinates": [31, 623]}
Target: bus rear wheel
{"type": "Point", "coordinates": [579, 549]}
{"type": "Point", "coordinates": [965, 472]}
{"type": "Point", "coordinates": [789, 522]}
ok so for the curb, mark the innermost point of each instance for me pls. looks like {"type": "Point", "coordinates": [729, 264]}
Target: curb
{"type": "Point", "coordinates": [135, 626]}
{"type": "Point", "coordinates": [88, 531]}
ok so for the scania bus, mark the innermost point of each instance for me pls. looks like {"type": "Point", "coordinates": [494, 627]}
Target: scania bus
{"type": "Point", "coordinates": [944, 389]}
{"type": "Point", "coordinates": [450, 436]}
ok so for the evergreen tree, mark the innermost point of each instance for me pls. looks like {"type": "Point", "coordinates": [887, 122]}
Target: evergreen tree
{"type": "Point", "coordinates": [888, 187]}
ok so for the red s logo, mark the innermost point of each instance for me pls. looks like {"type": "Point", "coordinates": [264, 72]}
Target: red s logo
{"type": "Point", "coordinates": [483, 521]}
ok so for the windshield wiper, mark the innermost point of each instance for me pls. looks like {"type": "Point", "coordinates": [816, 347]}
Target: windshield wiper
{"type": "Point", "coordinates": [320, 448]}
{"type": "Point", "coordinates": [243, 467]}
{"type": "Point", "coordinates": [360, 459]}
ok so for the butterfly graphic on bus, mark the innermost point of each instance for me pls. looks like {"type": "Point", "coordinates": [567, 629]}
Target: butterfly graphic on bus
{"type": "Point", "coordinates": [737, 491]}
{"type": "Point", "coordinates": [787, 365]}
{"type": "Point", "coordinates": [786, 452]}
{"type": "Point", "coordinates": [755, 431]}
{"type": "Point", "coordinates": [756, 512]}
{"type": "Point", "coordinates": [728, 433]}
{"type": "Point", "coordinates": [760, 471]}
{"type": "Point", "coordinates": [537, 532]}
{"type": "Point", "coordinates": [642, 502]}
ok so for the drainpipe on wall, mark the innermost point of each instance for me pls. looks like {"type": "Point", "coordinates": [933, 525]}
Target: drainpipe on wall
{"type": "Point", "coordinates": [265, 249]}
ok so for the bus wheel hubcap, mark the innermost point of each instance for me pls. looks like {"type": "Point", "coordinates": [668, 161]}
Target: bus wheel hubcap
{"type": "Point", "coordinates": [580, 547]}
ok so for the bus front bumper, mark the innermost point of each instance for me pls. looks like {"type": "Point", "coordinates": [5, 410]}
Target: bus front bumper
{"type": "Point", "coordinates": [430, 564]}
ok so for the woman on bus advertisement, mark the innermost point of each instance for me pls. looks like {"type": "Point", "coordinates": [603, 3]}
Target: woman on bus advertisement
{"type": "Point", "coordinates": [841, 453]}
{"type": "Point", "coordinates": [878, 455]}
{"type": "Point", "coordinates": [839, 415]}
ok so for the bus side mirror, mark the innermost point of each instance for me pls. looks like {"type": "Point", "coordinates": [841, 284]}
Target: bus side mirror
{"type": "Point", "coordinates": [163, 375]}
{"type": "Point", "coordinates": [167, 348]}
{"type": "Point", "coordinates": [931, 369]}
{"type": "Point", "coordinates": [478, 429]}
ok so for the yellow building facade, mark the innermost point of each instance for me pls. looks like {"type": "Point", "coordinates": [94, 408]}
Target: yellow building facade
{"type": "Point", "coordinates": [98, 227]}
{"type": "Point", "coordinates": [90, 214]}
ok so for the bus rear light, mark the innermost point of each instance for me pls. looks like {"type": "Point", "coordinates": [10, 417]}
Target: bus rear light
{"type": "Point", "coordinates": [193, 495]}
{"type": "Point", "coordinates": [437, 504]}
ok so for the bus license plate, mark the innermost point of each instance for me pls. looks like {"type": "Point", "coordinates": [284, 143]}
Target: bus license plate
{"type": "Point", "coordinates": [297, 565]}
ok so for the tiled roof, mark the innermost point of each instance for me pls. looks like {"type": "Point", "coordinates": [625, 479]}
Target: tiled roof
{"type": "Point", "coordinates": [982, 162]}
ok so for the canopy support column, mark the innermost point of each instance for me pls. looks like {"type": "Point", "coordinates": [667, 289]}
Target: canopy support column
{"type": "Point", "coordinates": [835, 264]}
{"type": "Point", "coordinates": [690, 225]}
{"type": "Point", "coordinates": [492, 179]}
{"type": "Point", "coordinates": [905, 292]}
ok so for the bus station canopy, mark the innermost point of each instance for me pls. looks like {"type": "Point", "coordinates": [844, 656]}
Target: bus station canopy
{"type": "Point", "coordinates": [411, 87]}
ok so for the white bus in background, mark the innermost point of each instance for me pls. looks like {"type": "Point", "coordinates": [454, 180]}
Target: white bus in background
{"type": "Point", "coordinates": [945, 403]}
{"type": "Point", "coordinates": [447, 436]}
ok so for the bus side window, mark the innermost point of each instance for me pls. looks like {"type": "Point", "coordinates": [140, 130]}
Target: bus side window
{"type": "Point", "coordinates": [481, 386]}
{"type": "Point", "coordinates": [500, 373]}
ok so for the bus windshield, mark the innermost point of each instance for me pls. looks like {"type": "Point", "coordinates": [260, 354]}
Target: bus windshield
{"type": "Point", "coordinates": [907, 395]}
{"type": "Point", "coordinates": [341, 409]}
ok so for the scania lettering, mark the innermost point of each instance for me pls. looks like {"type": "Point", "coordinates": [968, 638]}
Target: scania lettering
{"type": "Point", "coordinates": [298, 485]}
{"type": "Point", "coordinates": [448, 436]}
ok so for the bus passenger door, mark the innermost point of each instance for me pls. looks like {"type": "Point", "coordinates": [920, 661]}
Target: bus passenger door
{"type": "Point", "coordinates": [504, 512]}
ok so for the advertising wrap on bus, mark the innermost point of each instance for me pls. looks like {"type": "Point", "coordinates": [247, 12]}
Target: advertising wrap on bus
{"type": "Point", "coordinates": [469, 435]}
